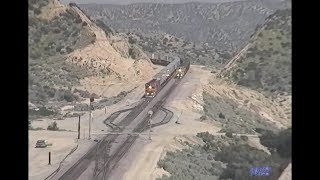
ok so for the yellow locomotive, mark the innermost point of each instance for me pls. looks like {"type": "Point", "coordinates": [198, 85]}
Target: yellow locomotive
{"type": "Point", "coordinates": [183, 69]}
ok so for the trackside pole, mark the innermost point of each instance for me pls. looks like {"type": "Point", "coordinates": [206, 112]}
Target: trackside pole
{"type": "Point", "coordinates": [150, 114]}
{"type": "Point", "coordinates": [79, 128]}
{"type": "Point", "coordinates": [49, 158]}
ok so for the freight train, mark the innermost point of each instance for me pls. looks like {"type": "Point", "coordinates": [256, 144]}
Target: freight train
{"type": "Point", "coordinates": [182, 69]}
{"type": "Point", "coordinates": [160, 79]}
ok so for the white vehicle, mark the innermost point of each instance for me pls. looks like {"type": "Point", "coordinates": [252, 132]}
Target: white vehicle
{"type": "Point", "coordinates": [42, 144]}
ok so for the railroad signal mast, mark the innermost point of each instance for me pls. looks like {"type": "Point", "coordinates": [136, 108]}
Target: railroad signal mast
{"type": "Point", "coordinates": [150, 114]}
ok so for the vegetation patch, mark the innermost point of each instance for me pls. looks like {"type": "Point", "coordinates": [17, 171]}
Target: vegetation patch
{"type": "Point", "coordinates": [223, 157]}
{"type": "Point", "coordinates": [266, 66]}
{"type": "Point", "coordinates": [234, 119]}
{"type": "Point", "coordinates": [49, 42]}
{"type": "Point", "coordinates": [53, 127]}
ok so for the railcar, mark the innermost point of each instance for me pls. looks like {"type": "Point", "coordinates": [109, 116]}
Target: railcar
{"type": "Point", "coordinates": [160, 79]}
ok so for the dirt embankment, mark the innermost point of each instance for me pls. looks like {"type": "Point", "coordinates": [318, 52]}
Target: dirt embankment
{"type": "Point", "coordinates": [114, 70]}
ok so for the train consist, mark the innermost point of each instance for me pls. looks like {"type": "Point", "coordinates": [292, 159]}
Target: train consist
{"type": "Point", "coordinates": [159, 80]}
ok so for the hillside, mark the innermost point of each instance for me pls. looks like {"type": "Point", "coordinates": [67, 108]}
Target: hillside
{"type": "Point", "coordinates": [70, 57]}
{"type": "Point", "coordinates": [227, 157]}
{"type": "Point", "coordinates": [210, 32]}
{"type": "Point", "coordinates": [266, 65]}
{"type": "Point", "coordinates": [54, 31]}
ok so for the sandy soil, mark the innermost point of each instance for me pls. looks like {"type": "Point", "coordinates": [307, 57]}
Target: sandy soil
{"type": "Point", "coordinates": [65, 141]}
{"type": "Point", "coordinates": [287, 174]}
{"type": "Point", "coordinates": [62, 144]}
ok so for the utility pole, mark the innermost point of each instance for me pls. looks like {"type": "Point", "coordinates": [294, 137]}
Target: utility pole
{"type": "Point", "coordinates": [79, 128]}
{"type": "Point", "coordinates": [49, 158]}
{"type": "Point", "coordinates": [90, 121]}
{"type": "Point", "coordinates": [177, 122]}
{"type": "Point", "coordinates": [91, 100]}
{"type": "Point", "coordinates": [150, 114]}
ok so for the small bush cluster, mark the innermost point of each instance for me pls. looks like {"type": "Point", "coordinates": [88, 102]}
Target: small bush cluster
{"type": "Point", "coordinates": [53, 126]}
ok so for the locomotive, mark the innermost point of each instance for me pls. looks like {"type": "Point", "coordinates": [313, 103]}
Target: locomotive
{"type": "Point", "coordinates": [159, 80]}
{"type": "Point", "coordinates": [182, 69]}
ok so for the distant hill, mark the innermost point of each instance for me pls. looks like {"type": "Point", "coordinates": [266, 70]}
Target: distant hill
{"type": "Point", "coordinates": [266, 65]}
{"type": "Point", "coordinates": [216, 30]}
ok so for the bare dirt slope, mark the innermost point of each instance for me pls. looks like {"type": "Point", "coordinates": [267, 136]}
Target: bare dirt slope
{"type": "Point", "coordinates": [67, 50]}
{"type": "Point", "coordinates": [125, 72]}
{"type": "Point", "coordinates": [287, 174]}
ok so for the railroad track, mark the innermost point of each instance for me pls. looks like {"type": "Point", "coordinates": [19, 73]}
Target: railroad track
{"type": "Point", "coordinates": [166, 119]}
{"type": "Point", "coordinates": [83, 163]}
{"type": "Point", "coordinates": [142, 126]}
{"type": "Point", "coordinates": [123, 149]}
{"type": "Point", "coordinates": [114, 115]}
{"type": "Point", "coordinates": [112, 161]}
{"type": "Point", "coordinates": [110, 119]}
{"type": "Point", "coordinates": [100, 150]}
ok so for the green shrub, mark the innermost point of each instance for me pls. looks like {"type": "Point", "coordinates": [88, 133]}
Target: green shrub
{"type": "Point", "coordinates": [73, 4]}
{"type": "Point", "coordinates": [43, 111]}
{"type": "Point", "coordinates": [245, 138]}
{"type": "Point", "coordinates": [221, 115]}
{"type": "Point", "coordinates": [69, 49]}
{"type": "Point", "coordinates": [69, 97]}
{"type": "Point", "coordinates": [132, 41]}
{"type": "Point", "coordinates": [37, 11]}
{"type": "Point", "coordinates": [104, 27]}
{"type": "Point", "coordinates": [281, 142]}
{"type": "Point", "coordinates": [131, 53]}
{"type": "Point", "coordinates": [204, 117]}
{"type": "Point", "coordinates": [229, 134]}
{"type": "Point", "coordinates": [56, 30]}
{"type": "Point", "coordinates": [53, 126]}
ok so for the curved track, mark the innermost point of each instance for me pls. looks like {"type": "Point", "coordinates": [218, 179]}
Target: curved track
{"type": "Point", "coordinates": [166, 119]}
{"type": "Point", "coordinates": [100, 151]}
{"type": "Point", "coordinates": [83, 163]}
{"type": "Point", "coordinates": [125, 146]}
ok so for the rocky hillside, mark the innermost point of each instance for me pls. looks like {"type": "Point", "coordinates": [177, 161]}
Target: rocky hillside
{"type": "Point", "coordinates": [266, 65]}
{"type": "Point", "coordinates": [71, 57]}
{"type": "Point", "coordinates": [209, 28]}
{"type": "Point", "coordinates": [54, 31]}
